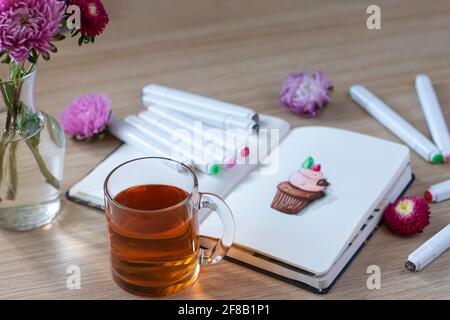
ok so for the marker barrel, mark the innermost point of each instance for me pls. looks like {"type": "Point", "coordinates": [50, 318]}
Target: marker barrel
{"type": "Point", "coordinates": [213, 119]}
{"type": "Point", "coordinates": [438, 192]}
{"type": "Point", "coordinates": [170, 128]}
{"type": "Point", "coordinates": [433, 114]}
{"type": "Point", "coordinates": [203, 164]}
{"type": "Point", "coordinates": [396, 124]}
{"type": "Point", "coordinates": [230, 142]}
{"type": "Point", "coordinates": [208, 104]}
{"type": "Point", "coordinates": [430, 250]}
{"type": "Point", "coordinates": [134, 137]}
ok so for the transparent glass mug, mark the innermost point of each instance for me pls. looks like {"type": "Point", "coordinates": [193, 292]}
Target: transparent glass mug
{"type": "Point", "coordinates": [151, 208]}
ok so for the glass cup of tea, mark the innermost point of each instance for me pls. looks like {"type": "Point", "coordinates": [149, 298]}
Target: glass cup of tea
{"type": "Point", "coordinates": [152, 210]}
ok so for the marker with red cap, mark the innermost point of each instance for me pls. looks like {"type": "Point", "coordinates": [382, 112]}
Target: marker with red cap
{"type": "Point", "coordinates": [438, 192]}
{"type": "Point", "coordinates": [221, 138]}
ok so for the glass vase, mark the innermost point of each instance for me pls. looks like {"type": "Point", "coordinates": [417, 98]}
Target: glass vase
{"type": "Point", "coordinates": [32, 146]}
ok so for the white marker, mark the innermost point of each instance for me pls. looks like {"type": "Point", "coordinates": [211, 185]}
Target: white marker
{"type": "Point", "coordinates": [194, 142]}
{"type": "Point", "coordinates": [429, 251]}
{"type": "Point", "coordinates": [208, 104]}
{"type": "Point", "coordinates": [438, 192]}
{"type": "Point", "coordinates": [399, 126]}
{"type": "Point", "coordinates": [134, 137]}
{"type": "Point", "coordinates": [214, 119]}
{"type": "Point", "coordinates": [204, 165]}
{"type": "Point", "coordinates": [230, 142]}
{"type": "Point", "coordinates": [433, 113]}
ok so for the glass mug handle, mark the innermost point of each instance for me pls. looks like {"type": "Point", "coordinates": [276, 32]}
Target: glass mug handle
{"type": "Point", "coordinates": [214, 254]}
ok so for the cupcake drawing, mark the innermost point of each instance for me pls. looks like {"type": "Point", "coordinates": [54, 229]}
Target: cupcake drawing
{"type": "Point", "coordinates": [304, 187]}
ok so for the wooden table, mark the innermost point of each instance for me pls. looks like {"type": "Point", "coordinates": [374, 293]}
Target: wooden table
{"type": "Point", "coordinates": [240, 51]}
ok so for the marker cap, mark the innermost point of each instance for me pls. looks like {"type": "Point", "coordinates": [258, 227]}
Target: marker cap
{"type": "Point", "coordinates": [245, 152]}
{"type": "Point", "coordinates": [230, 164]}
{"type": "Point", "coordinates": [410, 266]}
{"type": "Point", "coordinates": [428, 196]}
{"type": "Point", "coordinates": [214, 169]}
{"type": "Point", "coordinates": [437, 158]}
{"type": "Point", "coordinates": [446, 154]}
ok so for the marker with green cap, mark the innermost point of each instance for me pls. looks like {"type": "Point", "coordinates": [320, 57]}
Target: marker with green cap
{"type": "Point", "coordinates": [168, 148]}
{"type": "Point", "coordinates": [210, 168]}
{"type": "Point", "coordinates": [437, 158]}
{"type": "Point", "coordinates": [394, 122]}
{"type": "Point", "coordinates": [207, 167]}
{"type": "Point", "coordinates": [214, 169]}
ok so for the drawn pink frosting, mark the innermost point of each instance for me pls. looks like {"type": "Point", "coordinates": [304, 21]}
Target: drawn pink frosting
{"type": "Point", "coordinates": [308, 180]}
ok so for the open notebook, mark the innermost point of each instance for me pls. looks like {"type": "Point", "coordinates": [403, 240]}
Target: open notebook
{"type": "Point", "coordinates": [304, 213]}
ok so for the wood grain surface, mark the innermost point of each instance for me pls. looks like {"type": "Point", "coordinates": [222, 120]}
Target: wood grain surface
{"type": "Point", "coordinates": [240, 51]}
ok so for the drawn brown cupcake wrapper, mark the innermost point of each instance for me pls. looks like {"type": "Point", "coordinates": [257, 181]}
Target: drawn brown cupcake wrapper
{"type": "Point", "coordinates": [291, 200]}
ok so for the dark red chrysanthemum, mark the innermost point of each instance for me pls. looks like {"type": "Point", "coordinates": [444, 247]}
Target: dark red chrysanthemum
{"type": "Point", "coordinates": [407, 216]}
{"type": "Point", "coordinates": [94, 17]}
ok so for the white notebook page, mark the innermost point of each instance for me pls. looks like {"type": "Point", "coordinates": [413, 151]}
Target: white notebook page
{"type": "Point", "coordinates": [360, 170]}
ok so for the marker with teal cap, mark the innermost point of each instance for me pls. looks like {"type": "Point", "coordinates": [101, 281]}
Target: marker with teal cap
{"type": "Point", "coordinates": [396, 124]}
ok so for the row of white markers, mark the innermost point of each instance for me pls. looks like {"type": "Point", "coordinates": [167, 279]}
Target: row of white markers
{"type": "Point", "coordinates": [436, 152]}
{"type": "Point", "coordinates": [171, 112]}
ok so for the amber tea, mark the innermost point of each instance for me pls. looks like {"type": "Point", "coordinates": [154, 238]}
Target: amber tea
{"type": "Point", "coordinates": [151, 207]}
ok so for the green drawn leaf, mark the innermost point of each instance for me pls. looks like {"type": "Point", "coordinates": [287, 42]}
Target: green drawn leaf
{"type": "Point", "coordinates": [308, 163]}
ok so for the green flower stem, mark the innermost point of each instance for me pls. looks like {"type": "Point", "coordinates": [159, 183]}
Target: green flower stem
{"type": "Point", "coordinates": [13, 180]}
{"type": "Point", "coordinates": [2, 157]}
{"type": "Point", "coordinates": [11, 96]}
{"type": "Point", "coordinates": [5, 96]}
{"type": "Point", "coordinates": [4, 141]}
{"type": "Point", "coordinates": [49, 177]}
{"type": "Point", "coordinates": [10, 113]}
{"type": "Point", "coordinates": [15, 110]}
{"type": "Point", "coordinates": [8, 120]}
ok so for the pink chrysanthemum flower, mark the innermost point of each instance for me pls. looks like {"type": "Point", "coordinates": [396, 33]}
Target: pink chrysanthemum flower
{"type": "Point", "coordinates": [305, 93]}
{"type": "Point", "coordinates": [94, 17]}
{"type": "Point", "coordinates": [5, 4]}
{"type": "Point", "coordinates": [27, 25]}
{"type": "Point", "coordinates": [407, 216]}
{"type": "Point", "coordinates": [87, 116]}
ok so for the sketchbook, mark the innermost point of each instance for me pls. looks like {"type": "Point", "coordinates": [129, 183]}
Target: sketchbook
{"type": "Point", "coordinates": [302, 213]}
